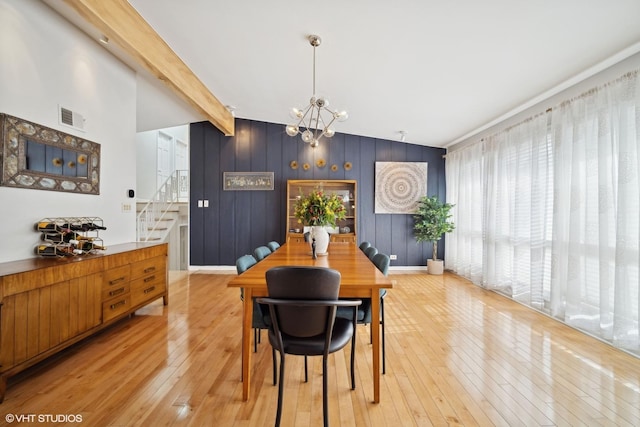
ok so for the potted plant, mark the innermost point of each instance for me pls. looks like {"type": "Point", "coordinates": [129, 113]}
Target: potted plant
{"type": "Point", "coordinates": [431, 222]}
{"type": "Point", "coordinates": [318, 210]}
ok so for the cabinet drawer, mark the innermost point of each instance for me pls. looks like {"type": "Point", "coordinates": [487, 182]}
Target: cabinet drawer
{"type": "Point", "coordinates": [347, 237]}
{"type": "Point", "coordinates": [147, 288]}
{"type": "Point", "coordinates": [115, 307]}
{"type": "Point", "coordinates": [120, 289]}
{"type": "Point", "coordinates": [115, 278]}
{"type": "Point", "coordinates": [156, 265]}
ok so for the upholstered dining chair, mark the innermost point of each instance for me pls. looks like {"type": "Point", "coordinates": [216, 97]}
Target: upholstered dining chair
{"type": "Point", "coordinates": [273, 245]}
{"type": "Point", "coordinates": [302, 303]}
{"type": "Point", "coordinates": [261, 252]}
{"type": "Point", "coordinates": [364, 245]}
{"type": "Point", "coordinates": [371, 252]}
{"type": "Point", "coordinates": [244, 263]}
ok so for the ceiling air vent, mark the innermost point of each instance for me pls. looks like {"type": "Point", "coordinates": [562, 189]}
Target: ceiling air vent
{"type": "Point", "coordinates": [71, 118]}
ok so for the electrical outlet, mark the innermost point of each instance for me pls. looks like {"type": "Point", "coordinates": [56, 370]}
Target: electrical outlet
{"type": "Point", "coordinates": [393, 257]}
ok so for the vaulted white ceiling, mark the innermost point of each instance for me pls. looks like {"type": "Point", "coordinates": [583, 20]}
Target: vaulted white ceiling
{"type": "Point", "coordinates": [438, 70]}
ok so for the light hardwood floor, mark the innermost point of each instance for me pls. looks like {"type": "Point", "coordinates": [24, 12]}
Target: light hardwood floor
{"type": "Point", "coordinates": [456, 355]}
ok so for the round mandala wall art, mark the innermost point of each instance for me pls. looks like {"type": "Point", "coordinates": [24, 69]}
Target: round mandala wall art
{"type": "Point", "coordinates": [399, 186]}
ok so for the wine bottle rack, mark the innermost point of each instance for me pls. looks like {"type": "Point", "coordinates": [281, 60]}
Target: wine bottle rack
{"type": "Point", "coordinates": [69, 236]}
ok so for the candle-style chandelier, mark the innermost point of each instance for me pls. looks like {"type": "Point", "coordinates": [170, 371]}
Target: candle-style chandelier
{"type": "Point", "coordinates": [311, 125]}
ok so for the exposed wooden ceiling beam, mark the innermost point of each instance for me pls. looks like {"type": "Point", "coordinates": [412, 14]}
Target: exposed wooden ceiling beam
{"type": "Point", "coordinates": [119, 21]}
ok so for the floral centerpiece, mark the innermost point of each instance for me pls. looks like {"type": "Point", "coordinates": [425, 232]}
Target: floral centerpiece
{"type": "Point", "coordinates": [319, 208]}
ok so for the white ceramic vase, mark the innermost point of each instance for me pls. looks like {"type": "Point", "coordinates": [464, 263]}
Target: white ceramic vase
{"type": "Point", "coordinates": [322, 239]}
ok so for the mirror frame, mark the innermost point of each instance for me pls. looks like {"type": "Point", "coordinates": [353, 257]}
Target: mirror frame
{"type": "Point", "coordinates": [16, 133]}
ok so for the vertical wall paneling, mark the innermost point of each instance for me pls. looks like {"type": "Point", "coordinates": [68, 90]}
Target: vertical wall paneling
{"type": "Point", "coordinates": [397, 243]}
{"type": "Point", "coordinates": [238, 221]}
{"type": "Point", "coordinates": [196, 192]}
{"type": "Point", "coordinates": [276, 163]}
{"type": "Point", "coordinates": [212, 184]}
{"type": "Point", "coordinates": [384, 231]}
{"type": "Point", "coordinates": [259, 220]}
{"type": "Point", "coordinates": [229, 220]}
{"type": "Point", "coordinates": [366, 189]}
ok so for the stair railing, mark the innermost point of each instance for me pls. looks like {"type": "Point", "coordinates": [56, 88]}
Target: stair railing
{"type": "Point", "coordinates": [174, 189]}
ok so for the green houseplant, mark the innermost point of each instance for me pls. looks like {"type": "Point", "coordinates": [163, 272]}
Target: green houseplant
{"type": "Point", "coordinates": [432, 220]}
{"type": "Point", "coordinates": [318, 210]}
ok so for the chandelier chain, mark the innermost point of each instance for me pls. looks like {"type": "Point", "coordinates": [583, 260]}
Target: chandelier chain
{"type": "Point", "coordinates": [311, 125]}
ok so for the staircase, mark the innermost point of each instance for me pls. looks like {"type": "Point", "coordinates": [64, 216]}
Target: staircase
{"type": "Point", "coordinates": [161, 228]}
{"type": "Point", "coordinates": [158, 216]}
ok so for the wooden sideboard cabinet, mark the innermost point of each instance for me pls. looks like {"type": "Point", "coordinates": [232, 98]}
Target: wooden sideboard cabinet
{"type": "Point", "coordinates": [48, 304]}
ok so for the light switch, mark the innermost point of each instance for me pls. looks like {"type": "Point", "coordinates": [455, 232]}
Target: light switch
{"type": "Point", "coordinates": [200, 203]}
{"type": "Point", "coordinates": [206, 203]}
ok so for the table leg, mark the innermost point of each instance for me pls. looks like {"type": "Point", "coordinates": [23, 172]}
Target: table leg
{"type": "Point", "coordinates": [247, 311]}
{"type": "Point", "coordinates": [375, 342]}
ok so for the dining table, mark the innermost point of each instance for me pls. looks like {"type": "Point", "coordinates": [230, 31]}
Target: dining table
{"type": "Point", "coordinates": [359, 279]}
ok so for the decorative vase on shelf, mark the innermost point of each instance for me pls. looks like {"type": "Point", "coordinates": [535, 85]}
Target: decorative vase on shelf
{"type": "Point", "coordinates": [321, 236]}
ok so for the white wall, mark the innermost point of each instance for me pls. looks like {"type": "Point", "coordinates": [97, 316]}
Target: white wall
{"type": "Point", "coordinates": [146, 166]}
{"type": "Point", "coordinates": [601, 74]}
{"type": "Point", "coordinates": [147, 159]}
{"type": "Point", "coordinates": [47, 62]}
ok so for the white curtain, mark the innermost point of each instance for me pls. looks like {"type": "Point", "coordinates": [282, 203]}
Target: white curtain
{"type": "Point", "coordinates": [548, 211]}
{"type": "Point", "coordinates": [463, 247]}
{"type": "Point", "coordinates": [517, 209]}
{"type": "Point", "coordinates": [596, 235]}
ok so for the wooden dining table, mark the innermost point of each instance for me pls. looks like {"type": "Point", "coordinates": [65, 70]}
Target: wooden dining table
{"type": "Point", "coordinates": [359, 279]}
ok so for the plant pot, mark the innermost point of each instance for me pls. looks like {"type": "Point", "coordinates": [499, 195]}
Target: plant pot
{"type": "Point", "coordinates": [435, 267]}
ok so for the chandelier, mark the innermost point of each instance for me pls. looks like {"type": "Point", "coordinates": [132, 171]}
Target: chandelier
{"type": "Point", "coordinates": [316, 119]}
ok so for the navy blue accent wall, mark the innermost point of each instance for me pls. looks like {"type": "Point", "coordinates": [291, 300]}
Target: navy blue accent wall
{"type": "Point", "coordinates": [236, 222]}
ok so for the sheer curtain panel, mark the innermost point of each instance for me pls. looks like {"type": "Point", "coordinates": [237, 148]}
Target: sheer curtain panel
{"type": "Point", "coordinates": [596, 234]}
{"type": "Point", "coordinates": [548, 212]}
{"type": "Point", "coordinates": [463, 248]}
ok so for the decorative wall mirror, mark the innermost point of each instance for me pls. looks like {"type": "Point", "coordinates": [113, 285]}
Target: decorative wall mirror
{"type": "Point", "coordinates": [37, 157]}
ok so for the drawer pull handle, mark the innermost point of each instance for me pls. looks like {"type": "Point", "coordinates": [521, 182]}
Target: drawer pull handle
{"type": "Point", "coordinates": [150, 278]}
{"type": "Point", "coordinates": [149, 270]}
{"type": "Point", "coordinates": [118, 304]}
{"type": "Point", "coordinates": [151, 289]}
{"type": "Point", "coordinates": [114, 281]}
{"type": "Point", "coordinates": [116, 292]}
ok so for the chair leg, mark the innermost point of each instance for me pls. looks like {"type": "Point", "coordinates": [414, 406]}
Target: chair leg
{"type": "Point", "coordinates": [306, 376]}
{"type": "Point", "coordinates": [280, 390]}
{"type": "Point", "coordinates": [384, 358]}
{"type": "Point", "coordinates": [353, 360]}
{"type": "Point", "coordinates": [275, 368]}
{"type": "Point", "coordinates": [255, 340]}
{"type": "Point", "coordinates": [325, 400]}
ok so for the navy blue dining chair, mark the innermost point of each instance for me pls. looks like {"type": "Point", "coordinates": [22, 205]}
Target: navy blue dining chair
{"type": "Point", "coordinates": [302, 303]}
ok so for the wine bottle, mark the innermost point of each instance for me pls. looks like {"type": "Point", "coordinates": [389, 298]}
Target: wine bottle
{"type": "Point", "coordinates": [56, 250]}
{"type": "Point", "coordinates": [90, 226]}
{"type": "Point", "coordinates": [46, 226]}
{"type": "Point", "coordinates": [87, 246]}
{"type": "Point", "coordinates": [62, 236]}
{"type": "Point", "coordinates": [71, 227]}
{"type": "Point", "coordinates": [85, 226]}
